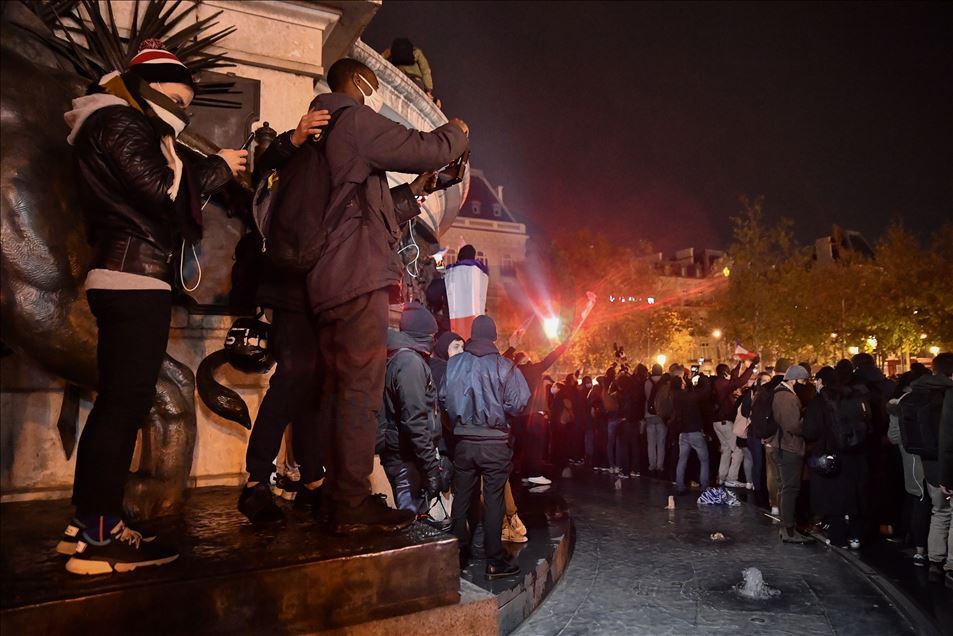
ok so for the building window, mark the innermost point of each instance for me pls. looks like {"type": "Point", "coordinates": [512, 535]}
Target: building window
{"type": "Point", "coordinates": [475, 207]}
{"type": "Point", "coordinates": [497, 209]}
{"type": "Point", "coordinates": [481, 256]}
{"type": "Point", "coordinates": [507, 268]}
{"type": "Point", "coordinates": [450, 257]}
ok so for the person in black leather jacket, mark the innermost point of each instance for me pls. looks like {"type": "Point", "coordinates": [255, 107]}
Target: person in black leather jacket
{"type": "Point", "coordinates": [141, 202]}
{"type": "Point", "coordinates": [409, 437]}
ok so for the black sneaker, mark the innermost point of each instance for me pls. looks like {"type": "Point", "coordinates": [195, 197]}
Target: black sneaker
{"type": "Point", "coordinates": [791, 535]}
{"type": "Point", "coordinates": [75, 527]}
{"type": "Point", "coordinates": [124, 551]}
{"type": "Point", "coordinates": [308, 499]}
{"type": "Point", "coordinates": [286, 487]}
{"type": "Point", "coordinates": [67, 544]}
{"type": "Point", "coordinates": [501, 569]}
{"type": "Point", "coordinates": [257, 504]}
{"type": "Point", "coordinates": [372, 515]}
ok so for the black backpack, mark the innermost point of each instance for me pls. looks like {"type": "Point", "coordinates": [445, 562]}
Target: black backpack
{"type": "Point", "coordinates": [920, 411]}
{"type": "Point", "coordinates": [850, 422]}
{"type": "Point", "coordinates": [763, 424]}
{"type": "Point", "coordinates": [650, 405]}
{"type": "Point", "coordinates": [290, 207]}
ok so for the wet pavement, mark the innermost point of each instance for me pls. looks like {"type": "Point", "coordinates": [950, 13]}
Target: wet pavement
{"type": "Point", "coordinates": [640, 569]}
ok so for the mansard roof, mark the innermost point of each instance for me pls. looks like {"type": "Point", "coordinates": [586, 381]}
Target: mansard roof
{"type": "Point", "coordinates": [484, 200]}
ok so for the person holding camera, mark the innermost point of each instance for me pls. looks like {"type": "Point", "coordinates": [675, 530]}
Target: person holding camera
{"type": "Point", "coordinates": [349, 288]}
{"type": "Point", "coordinates": [409, 435]}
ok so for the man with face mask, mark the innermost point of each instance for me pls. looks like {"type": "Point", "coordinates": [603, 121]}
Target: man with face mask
{"type": "Point", "coordinates": [348, 288]}
{"type": "Point", "coordinates": [142, 204]}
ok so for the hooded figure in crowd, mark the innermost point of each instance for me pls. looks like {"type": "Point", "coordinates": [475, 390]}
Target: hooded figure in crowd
{"type": "Point", "coordinates": [482, 390]}
{"type": "Point", "coordinates": [409, 433]}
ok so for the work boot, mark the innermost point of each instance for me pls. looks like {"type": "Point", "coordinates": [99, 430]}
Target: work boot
{"type": "Point", "coordinates": [371, 516]}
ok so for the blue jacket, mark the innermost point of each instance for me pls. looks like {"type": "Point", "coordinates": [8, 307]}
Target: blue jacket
{"type": "Point", "coordinates": [481, 389]}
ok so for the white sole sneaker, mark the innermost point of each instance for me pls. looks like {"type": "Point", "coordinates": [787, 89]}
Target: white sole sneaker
{"type": "Point", "coordinates": [89, 567]}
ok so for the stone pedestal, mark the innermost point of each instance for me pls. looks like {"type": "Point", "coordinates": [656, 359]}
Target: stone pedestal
{"type": "Point", "coordinates": [232, 578]}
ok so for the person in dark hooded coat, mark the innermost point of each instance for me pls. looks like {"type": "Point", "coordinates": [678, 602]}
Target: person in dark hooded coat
{"type": "Point", "coordinates": [481, 392]}
{"type": "Point", "coordinates": [409, 438]}
{"type": "Point", "coordinates": [839, 403]}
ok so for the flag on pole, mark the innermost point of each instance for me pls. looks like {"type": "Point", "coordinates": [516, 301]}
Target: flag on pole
{"type": "Point", "coordinates": [743, 354]}
{"type": "Point", "coordinates": [466, 296]}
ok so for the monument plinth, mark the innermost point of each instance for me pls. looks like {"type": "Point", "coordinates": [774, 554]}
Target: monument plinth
{"type": "Point", "coordinates": [230, 577]}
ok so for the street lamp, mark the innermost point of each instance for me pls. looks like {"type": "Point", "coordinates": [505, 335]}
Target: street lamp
{"type": "Point", "coordinates": [934, 351]}
{"type": "Point", "coordinates": [853, 350]}
{"type": "Point", "coordinates": [660, 358]}
{"type": "Point", "coordinates": [551, 327]}
{"type": "Point", "coordinates": [716, 334]}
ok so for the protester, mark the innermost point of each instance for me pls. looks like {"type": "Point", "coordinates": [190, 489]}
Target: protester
{"type": "Point", "coordinates": [141, 201]}
{"type": "Point", "coordinates": [787, 449]}
{"type": "Point", "coordinates": [884, 460]}
{"type": "Point", "coordinates": [837, 420]}
{"type": "Point", "coordinates": [612, 406]}
{"type": "Point", "coordinates": [349, 287]}
{"type": "Point", "coordinates": [448, 345]}
{"type": "Point", "coordinates": [482, 390]}
{"type": "Point", "coordinates": [411, 62]}
{"type": "Point", "coordinates": [917, 503]}
{"type": "Point", "coordinates": [773, 480]}
{"type": "Point", "coordinates": [633, 431]}
{"type": "Point", "coordinates": [655, 428]}
{"type": "Point", "coordinates": [409, 439]}
{"type": "Point", "coordinates": [934, 394]}
{"type": "Point", "coordinates": [688, 400]}
{"type": "Point", "coordinates": [752, 448]}
{"type": "Point", "coordinates": [725, 384]}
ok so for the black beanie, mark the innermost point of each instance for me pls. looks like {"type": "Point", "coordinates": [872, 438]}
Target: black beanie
{"type": "Point", "coordinates": [442, 350]}
{"type": "Point", "coordinates": [416, 320]}
{"type": "Point", "coordinates": [483, 329]}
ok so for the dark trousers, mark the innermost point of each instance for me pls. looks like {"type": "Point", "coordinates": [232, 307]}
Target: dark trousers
{"type": "Point", "coordinates": [352, 338]}
{"type": "Point", "coordinates": [534, 454]}
{"type": "Point", "coordinates": [133, 334]}
{"type": "Point", "coordinates": [490, 460]}
{"type": "Point", "coordinates": [292, 397]}
{"type": "Point", "coordinates": [631, 447]}
{"type": "Point", "coordinates": [917, 513]}
{"type": "Point", "coordinates": [790, 466]}
{"type": "Point", "coordinates": [407, 484]}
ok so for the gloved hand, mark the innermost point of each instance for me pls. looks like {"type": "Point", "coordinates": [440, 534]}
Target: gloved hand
{"type": "Point", "coordinates": [433, 484]}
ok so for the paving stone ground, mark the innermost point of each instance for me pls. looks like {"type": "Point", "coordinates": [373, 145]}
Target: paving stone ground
{"type": "Point", "coordinates": [640, 569]}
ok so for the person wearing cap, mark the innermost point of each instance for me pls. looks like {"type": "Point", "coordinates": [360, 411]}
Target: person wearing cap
{"type": "Point", "coordinates": [788, 447]}
{"type": "Point", "coordinates": [142, 203]}
{"type": "Point", "coordinates": [409, 437]}
{"type": "Point", "coordinates": [482, 390]}
{"type": "Point", "coordinates": [772, 479]}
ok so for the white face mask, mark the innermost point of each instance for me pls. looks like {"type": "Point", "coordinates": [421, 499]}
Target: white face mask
{"type": "Point", "coordinates": [177, 124]}
{"type": "Point", "coordinates": [372, 100]}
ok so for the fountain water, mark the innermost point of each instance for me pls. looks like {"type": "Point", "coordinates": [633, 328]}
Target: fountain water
{"type": "Point", "coordinates": [754, 586]}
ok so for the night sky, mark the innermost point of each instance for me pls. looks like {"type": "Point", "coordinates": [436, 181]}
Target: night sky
{"type": "Point", "coordinates": [647, 121]}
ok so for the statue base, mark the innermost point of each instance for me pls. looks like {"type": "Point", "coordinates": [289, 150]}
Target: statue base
{"type": "Point", "coordinates": [231, 577]}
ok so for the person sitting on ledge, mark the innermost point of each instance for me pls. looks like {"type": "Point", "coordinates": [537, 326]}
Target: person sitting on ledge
{"type": "Point", "coordinates": [141, 200]}
{"type": "Point", "coordinates": [482, 390]}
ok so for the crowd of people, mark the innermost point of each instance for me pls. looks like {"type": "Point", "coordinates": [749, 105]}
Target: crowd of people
{"type": "Point", "coordinates": [843, 451]}
{"type": "Point", "coordinates": [446, 414]}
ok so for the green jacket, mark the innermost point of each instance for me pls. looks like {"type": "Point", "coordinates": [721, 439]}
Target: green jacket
{"type": "Point", "coordinates": [419, 71]}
